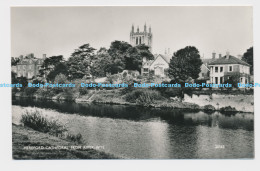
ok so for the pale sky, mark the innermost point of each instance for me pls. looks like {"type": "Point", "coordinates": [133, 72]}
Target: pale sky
{"type": "Point", "coordinates": [60, 30]}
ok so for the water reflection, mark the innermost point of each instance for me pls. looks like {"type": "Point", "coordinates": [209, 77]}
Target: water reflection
{"type": "Point", "coordinates": [171, 116]}
{"type": "Point", "coordinates": [134, 132]}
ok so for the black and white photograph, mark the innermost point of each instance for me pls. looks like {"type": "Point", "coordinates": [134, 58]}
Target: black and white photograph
{"type": "Point", "coordinates": [132, 82]}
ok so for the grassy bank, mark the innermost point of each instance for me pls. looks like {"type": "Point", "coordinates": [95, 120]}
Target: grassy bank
{"type": "Point", "coordinates": [159, 98]}
{"type": "Point", "coordinates": [43, 138]}
{"type": "Point", "coordinates": [24, 137]}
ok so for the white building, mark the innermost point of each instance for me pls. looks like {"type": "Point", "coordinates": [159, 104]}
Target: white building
{"type": "Point", "coordinates": [157, 67]}
{"type": "Point", "coordinates": [229, 67]}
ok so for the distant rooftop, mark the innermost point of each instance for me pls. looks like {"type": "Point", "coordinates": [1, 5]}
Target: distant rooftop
{"type": "Point", "coordinates": [230, 60]}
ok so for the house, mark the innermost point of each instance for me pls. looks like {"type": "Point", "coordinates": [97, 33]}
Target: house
{"type": "Point", "coordinates": [157, 67]}
{"type": "Point", "coordinates": [28, 66]}
{"type": "Point", "coordinates": [205, 69]}
{"type": "Point", "coordinates": [229, 67]}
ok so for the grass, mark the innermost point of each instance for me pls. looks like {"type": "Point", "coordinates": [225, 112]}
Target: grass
{"type": "Point", "coordinates": [38, 122]}
{"type": "Point", "coordinates": [143, 96]}
{"type": "Point", "coordinates": [24, 136]}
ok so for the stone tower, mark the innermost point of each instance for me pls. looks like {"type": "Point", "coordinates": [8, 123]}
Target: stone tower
{"type": "Point", "coordinates": [145, 37]}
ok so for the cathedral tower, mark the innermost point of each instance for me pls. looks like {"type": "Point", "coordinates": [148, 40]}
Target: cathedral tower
{"type": "Point", "coordinates": [137, 38]}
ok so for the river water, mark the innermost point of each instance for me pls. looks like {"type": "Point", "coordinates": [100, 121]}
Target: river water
{"type": "Point", "coordinates": [142, 133]}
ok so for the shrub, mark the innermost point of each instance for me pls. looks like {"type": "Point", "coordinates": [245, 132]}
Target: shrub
{"type": "Point", "coordinates": [14, 90]}
{"type": "Point", "coordinates": [228, 110]}
{"type": "Point", "coordinates": [29, 91]}
{"type": "Point", "coordinates": [143, 96]}
{"type": "Point", "coordinates": [83, 91]}
{"type": "Point", "coordinates": [45, 92]}
{"type": "Point", "coordinates": [145, 99]}
{"type": "Point", "coordinates": [209, 108]}
{"type": "Point", "coordinates": [75, 138]}
{"type": "Point", "coordinates": [39, 123]}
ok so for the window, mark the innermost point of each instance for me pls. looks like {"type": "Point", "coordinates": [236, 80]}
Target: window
{"type": "Point", "coordinates": [137, 41]}
{"type": "Point", "coordinates": [145, 69]}
{"type": "Point", "coordinates": [230, 68]}
{"type": "Point", "coordinates": [216, 69]}
{"type": "Point", "coordinates": [221, 69]}
{"type": "Point", "coordinates": [216, 80]}
{"type": "Point", "coordinates": [241, 80]}
{"type": "Point", "coordinates": [221, 80]}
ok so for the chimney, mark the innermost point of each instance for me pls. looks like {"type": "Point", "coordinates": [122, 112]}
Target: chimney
{"type": "Point", "coordinates": [30, 55]}
{"type": "Point", "coordinates": [227, 55]}
{"type": "Point", "coordinates": [44, 56]}
{"type": "Point", "coordinates": [168, 51]}
{"type": "Point", "coordinates": [220, 55]}
{"type": "Point", "coordinates": [213, 55]}
{"type": "Point", "coordinates": [21, 57]}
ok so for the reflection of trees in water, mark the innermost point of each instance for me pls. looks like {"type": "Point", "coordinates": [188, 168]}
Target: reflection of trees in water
{"type": "Point", "coordinates": [170, 116]}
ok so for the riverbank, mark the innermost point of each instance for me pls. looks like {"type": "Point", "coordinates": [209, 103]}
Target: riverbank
{"type": "Point", "coordinates": [243, 103]}
{"type": "Point", "coordinates": [24, 139]}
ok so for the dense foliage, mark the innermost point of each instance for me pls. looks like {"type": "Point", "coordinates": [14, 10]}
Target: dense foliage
{"type": "Point", "coordinates": [249, 58]}
{"type": "Point", "coordinates": [185, 64]}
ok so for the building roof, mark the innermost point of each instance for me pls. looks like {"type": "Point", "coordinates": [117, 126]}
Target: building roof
{"type": "Point", "coordinates": [27, 61]}
{"type": "Point", "coordinates": [206, 61]}
{"type": "Point", "coordinates": [230, 60]}
{"type": "Point", "coordinates": [150, 62]}
{"type": "Point", "coordinates": [167, 58]}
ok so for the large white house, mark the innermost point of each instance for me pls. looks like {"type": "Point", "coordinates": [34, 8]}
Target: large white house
{"type": "Point", "coordinates": [229, 67]}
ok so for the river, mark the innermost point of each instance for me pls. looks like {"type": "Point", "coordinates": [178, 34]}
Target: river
{"type": "Point", "coordinates": [143, 133]}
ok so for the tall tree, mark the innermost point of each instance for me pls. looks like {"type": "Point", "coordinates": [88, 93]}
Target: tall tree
{"type": "Point", "coordinates": [49, 64]}
{"type": "Point", "coordinates": [80, 61]}
{"type": "Point", "coordinates": [134, 57]}
{"type": "Point", "coordinates": [14, 61]}
{"type": "Point", "coordinates": [60, 68]}
{"type": "Point", "coordinates": [118, 52]}
{"type": "Point", "coordinates": [102, 63]}
{"type": "Point", "coordinates": [144, 51]}
{"type": "Point", "coordinates": [185, 64]}
{"type": "Point", "coordinates": [249, 58]}
{"type": "Point", "coordinates": [125, 56]}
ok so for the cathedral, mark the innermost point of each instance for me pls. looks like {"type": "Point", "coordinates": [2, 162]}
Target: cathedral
{"type": "Point", "coordinates": [160, 64]}
{"type": "Point", "coordinates": [145, 37]}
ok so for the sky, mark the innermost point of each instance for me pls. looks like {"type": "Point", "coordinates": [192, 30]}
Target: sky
{"type": "Point", "coordinates": [61, 30]}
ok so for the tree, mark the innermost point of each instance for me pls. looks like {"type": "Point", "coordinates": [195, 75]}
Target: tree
{"type": "Point", "coordinates": [102, 63]}
{"type": "Point", "coordinates": [60, 68]}
{"type": "Point", "coordinates": [133, 59]}
{"type": "Point", "coordinates": [14, 80]}
{"type": "Point", "coordinates": [124, 56]}
{"type": "Point", "coordinates": [14, 61]}
{"type": "Point", "coordinates": [249, 58]}
{"type": "Point", "coordinates": [23, 81]}
{"type": "Point", "coordinates": [80, 61]}
{"type": "Point", "coordinates": [185, 64]}
{"type": "Point", "coordinates": [118, 52]}
{"type": "Point", "coordinates": [144, 51]}
{"type": "Point", "coordinates": [49, 64]}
